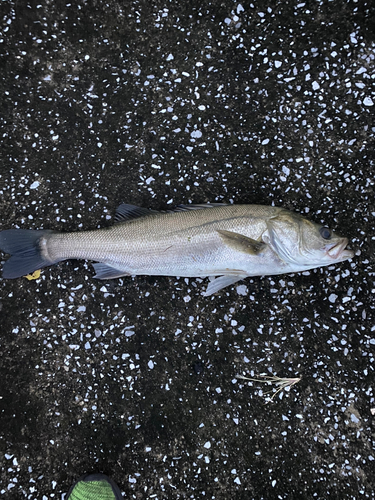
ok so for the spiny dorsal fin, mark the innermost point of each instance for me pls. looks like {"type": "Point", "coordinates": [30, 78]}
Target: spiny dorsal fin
{"type": "Point", "coordinates": [241, 243]}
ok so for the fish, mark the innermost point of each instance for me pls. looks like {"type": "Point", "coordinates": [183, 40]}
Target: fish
{"type": "Point", "coordinates": [224, 242]}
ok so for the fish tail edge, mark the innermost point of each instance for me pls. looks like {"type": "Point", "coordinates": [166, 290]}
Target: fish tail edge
{"type": "Point", "coordinates": [24, 246]}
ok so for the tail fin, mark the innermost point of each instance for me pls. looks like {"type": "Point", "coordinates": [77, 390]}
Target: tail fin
{"type": "Point", "coordinates": [25, 250]}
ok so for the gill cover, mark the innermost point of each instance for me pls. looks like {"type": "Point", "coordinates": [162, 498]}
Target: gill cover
{"type": "Point", "coordinates": [286, 237]}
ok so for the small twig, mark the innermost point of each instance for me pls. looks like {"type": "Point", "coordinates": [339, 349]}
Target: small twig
{"type": "Point", "coordinates": [282, 383]}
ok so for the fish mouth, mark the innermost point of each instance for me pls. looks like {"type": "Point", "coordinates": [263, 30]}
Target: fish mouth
{"type": "Point", "coordinates": [339, 251]}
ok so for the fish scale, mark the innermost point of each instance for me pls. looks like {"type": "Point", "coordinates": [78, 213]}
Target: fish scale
{"type": "Point", "coordinates": [168, 244]}
{"type": "Point", "coordinates": [229, 241]}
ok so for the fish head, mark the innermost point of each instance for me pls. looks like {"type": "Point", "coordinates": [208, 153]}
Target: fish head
{"type": "Point", "coordinates": [305, 244]}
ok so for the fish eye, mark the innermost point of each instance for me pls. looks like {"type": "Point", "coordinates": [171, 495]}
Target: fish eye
{"type": "Point", "coordinates": [325, 233]}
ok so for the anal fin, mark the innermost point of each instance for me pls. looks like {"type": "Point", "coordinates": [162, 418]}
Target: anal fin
{"type": "Point", "coordinates": [104, 271]}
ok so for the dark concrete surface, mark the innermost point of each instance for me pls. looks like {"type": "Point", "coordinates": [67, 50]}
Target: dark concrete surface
{"type": "Point", "coordinates": [159, 103]}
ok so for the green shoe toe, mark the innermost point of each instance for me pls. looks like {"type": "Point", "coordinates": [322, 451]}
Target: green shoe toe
{"type": "Point", "coordinates": [94, 487]}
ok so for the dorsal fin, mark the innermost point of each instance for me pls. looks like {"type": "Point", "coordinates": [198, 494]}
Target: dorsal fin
{"type": "Point", "coordinates": [127, 212]}
{"type": "Point", "coordinates": [200, 206]}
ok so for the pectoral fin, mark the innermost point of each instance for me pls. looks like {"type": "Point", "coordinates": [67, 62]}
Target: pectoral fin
{"type": "Point", "coordinates": [241, 243]}
{"type": "Point", "coordinates": [221, 282]}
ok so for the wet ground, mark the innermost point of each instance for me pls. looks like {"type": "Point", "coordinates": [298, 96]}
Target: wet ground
{"type": "Point", "coordinates": [157, 104]}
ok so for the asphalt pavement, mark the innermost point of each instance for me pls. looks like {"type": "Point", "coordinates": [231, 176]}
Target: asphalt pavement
{"type": "Point", "coordinates": [158, 103]}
